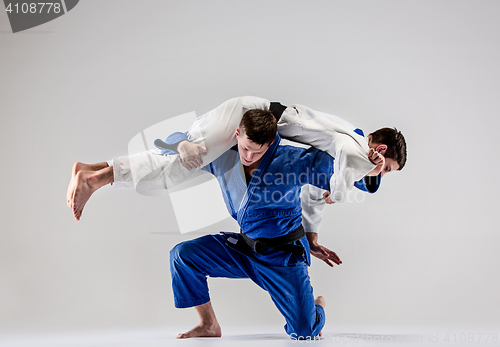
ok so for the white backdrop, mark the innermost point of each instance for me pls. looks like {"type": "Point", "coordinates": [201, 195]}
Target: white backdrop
{"type": "Point", "coordinates": [422, 251]}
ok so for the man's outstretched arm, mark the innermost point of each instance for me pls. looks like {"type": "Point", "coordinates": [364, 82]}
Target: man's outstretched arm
{"type": "Point", "coordinates": [321, 252]}
{"type": "Point", "coordinates": [314, 200]}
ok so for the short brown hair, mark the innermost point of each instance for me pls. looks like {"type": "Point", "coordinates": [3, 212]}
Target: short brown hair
{"type": "Point", "coordinates": [395, 142]}
{"type": "Point", "coordinates": [260, 126]}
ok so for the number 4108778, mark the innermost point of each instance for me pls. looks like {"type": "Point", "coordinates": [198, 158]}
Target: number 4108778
{"type": "Point", "coordinates": [34, 7]}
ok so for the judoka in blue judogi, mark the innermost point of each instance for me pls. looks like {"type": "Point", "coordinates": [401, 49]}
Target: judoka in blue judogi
{"type": "Point", "coordinates": [263, 195]}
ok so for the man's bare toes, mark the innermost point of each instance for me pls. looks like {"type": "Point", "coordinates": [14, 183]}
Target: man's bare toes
{"type": "Point", "coordinates": [75, 213]}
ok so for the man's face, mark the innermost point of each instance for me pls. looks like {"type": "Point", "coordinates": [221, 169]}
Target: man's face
{"type": "Point", "coordinates": [249, 151]}
{"type": "Point", "coordinates": [390, 166]}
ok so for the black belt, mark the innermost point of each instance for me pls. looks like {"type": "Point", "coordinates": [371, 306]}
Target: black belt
{"type": "Point", "coordinates": [282, 243]}
{"type": "Point", "coordinates": [277, 109]}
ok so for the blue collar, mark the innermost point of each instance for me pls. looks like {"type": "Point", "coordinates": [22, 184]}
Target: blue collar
{"type": "Point", "coordinates": [264, 163]}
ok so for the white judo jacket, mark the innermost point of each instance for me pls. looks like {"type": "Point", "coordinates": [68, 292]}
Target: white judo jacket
{"type": "Point", "coordinates": [216, 131]}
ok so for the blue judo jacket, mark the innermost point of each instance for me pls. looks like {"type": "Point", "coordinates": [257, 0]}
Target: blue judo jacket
{"type": "Point", "coordinates": [269, 206]}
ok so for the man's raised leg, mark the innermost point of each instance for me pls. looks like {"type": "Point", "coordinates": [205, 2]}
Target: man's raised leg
{"type": "Point", "coordinates": [214, 130]}
{"type": "Point", "coordinates": [208, 327]}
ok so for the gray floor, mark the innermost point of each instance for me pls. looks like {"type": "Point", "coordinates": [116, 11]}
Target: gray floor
{"type": "Point", "coordinates": [263, 336]}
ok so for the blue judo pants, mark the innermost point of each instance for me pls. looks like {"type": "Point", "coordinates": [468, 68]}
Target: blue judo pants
{"type": "Point", "coordinates": [289, 286]}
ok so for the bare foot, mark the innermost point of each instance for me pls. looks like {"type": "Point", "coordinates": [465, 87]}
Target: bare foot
{"type": "Point", "coordinates": [322, 302]}
{"type": "Point", "coordinates": [77, 167]}
{"type": "Point", "coordinates": [71, 187]}
{"type": "Point", "coordinates": [86, 183]}
{"type": "Point", "coordinates": [202, 331]}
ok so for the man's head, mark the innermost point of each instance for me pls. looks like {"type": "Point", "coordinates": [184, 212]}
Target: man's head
{"type": "Point", "coordinates": [392, 145]}
{"type": "Point", "coordinates": [257, 130]}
